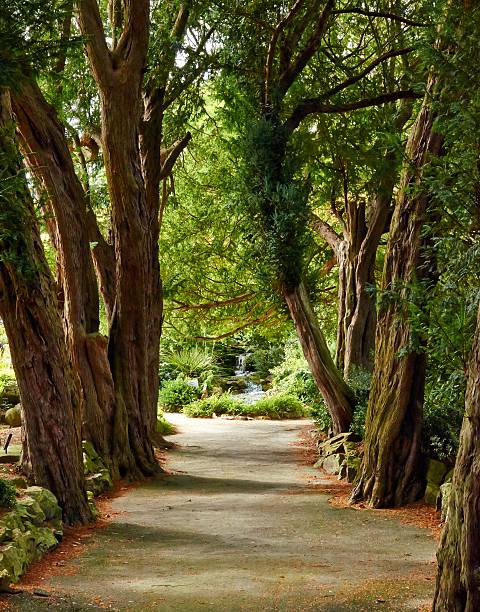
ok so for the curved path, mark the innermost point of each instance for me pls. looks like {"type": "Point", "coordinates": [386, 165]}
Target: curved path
{"type": "Point", "coordinates": [235, 527]}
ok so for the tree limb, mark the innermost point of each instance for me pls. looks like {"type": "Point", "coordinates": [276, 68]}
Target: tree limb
{"type": "Point", "coordinates": [91, 26]}
{"type": "Point", "coordinates": [325, 231]}
{"type": "Point", "coordinates": [393, 16]}
{"type": "Point", "coordinates": [317, 106]}
{"type": "Point", "coordinates": [215, 304]}
{"type": "Point", "coordinates": [173, 155]}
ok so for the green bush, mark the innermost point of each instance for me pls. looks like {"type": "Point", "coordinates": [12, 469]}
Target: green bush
{"type": "Point", "coordinates": [276, 407]}
{"type": "Point", "coordinates": [175, 394]}
{"type": "Point", "coordinates": [359, 381]}
{"type": "Point", "coordinates": [8, 494]}
{"type": "Point", "coordinates": [164, 427]}
{"type": "Point", "coordinates": [216, 404]}
{"type": "Point", "coordinates": [192, 362]}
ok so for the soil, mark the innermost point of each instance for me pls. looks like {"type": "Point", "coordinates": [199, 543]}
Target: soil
{"type": "Point", "coordinates": [240, 522]}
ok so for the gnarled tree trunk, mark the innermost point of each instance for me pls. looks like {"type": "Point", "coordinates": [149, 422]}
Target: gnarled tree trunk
{"type": "Point", "coordinates": [390, 474]}
{"type": "Point", "coordinates": [457, 588]}
{"type": "Point", "coordinates": [28, 307]}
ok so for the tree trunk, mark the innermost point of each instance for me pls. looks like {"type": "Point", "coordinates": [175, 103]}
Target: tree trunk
{"type": "Point", "coordinates": [334, 390]}
{"type": "Point", "coordinates": [46, 150]}
{"type": "Point", "coordinates": [390, 474]}
{"type": "Point", "coordinates": [458, 578]}
{"type": "Point", "coordinates": [48, 391]}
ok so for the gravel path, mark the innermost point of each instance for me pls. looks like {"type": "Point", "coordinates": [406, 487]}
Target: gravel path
{"type": "Point", "coordinates": [235, 527]}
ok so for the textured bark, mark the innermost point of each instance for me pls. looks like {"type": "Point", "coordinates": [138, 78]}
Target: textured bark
{"type": "Point", "coordinates": [28, 307]}
{"type": "Point", "coordinates": [46, 150]}
{"type": "Point", "coordinates": [335, 392]}
{"type": "Point", "coordinates": [458, 577]}
{"type": "Point", "coordinates": [391, 474]}
{"type": "Point", "coordinates": [136, 320]}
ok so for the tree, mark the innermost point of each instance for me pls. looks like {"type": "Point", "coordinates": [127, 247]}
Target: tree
{"type": "Point", "coordinates": [275, 106]}
{"type": "Point", "coordinates": [47, 384]}
{"type": "Point", "coordinates": [391, 473]}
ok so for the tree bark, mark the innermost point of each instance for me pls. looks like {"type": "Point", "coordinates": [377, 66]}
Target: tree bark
{"type": "Point", "coordinates": [458, 579]}
{"type": "Point", "coordinates": [334, 390]}
{"type": "Point", "coordinates": [48, 391]}
{"type": "Point", "coordinates": [390, 474]}
{"type": "Point", "coordinates": [46, 151]}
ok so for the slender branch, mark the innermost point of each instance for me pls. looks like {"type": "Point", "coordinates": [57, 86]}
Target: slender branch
{"type": "Point", "coordinates": [173, 155]}
{"type": "Point", "coordinates": [273, 45]}
{"type": "Point", "coordinates": [393, 16]}
{"type": "Point", "coordinates": [358, 77]}
{"type": "Point", "coordinates": [133, 42]}
{"type": "Point", "coordinates": [215, 304]}
{"type": "Point", "coordinates": [261, 319]}
{"type": "Point", "coordinates": [291, 73]}
{"type": "Point", "coordinates": [317, 106]}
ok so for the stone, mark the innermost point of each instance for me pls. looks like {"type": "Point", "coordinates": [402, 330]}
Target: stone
{"type": "Point", "coordinates": [338, 444]}
{"type": "Point", "coordinates": [47, 502]}
{"type": "Point", "coordinates": [13, 416]}
{"type": "Point", "coordinates": [333, 463]}
{"type": "Point", "coordinates": [431, 494]}
{"type": "Point", "coordinates": [436, 472]}
{"type": "Point", "coordinates": [352, 465]}
{"type": "Point", "coordinates": [99, 482]}
{"type": "Point", "coordinates": [449, 476]}
{"type": "Point", "coordinates": [29, 509]}
{"type": "Point", "coordinates": [19, 482]}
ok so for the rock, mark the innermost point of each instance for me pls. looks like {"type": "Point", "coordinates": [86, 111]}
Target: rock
{"type": "Point", "coordinates": [13, 416]}
{"type": "Point", "coordinates": [47, 502]}
{"type": "Point", "coordinates": [332, 464]}
{"type": "Point", "coordinates": [29, 509]}
{"type": "Point", "coordinates": [449, 476]}
{"type": "Point", "coordinates": [19, 482]}
{"type": "Point", "coordinates": [431, 494]}
{"type": "Point", "coordinates": [352, 465]}
{"type": "Point", "coordinates": [99, 482]}
{"type": "Point", "coordinates": [445, 490]}
{"type": "Point", "coordinates": [436, 472]}
{"type": "Point", "coordinates": [338, 444]}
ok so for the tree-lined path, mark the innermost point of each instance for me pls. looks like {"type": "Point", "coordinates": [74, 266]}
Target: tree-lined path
{"type": "Point", "coordinates": [235, 527]}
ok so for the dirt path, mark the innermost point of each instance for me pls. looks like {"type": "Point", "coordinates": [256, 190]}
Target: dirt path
{"type": "Point", "coordinates": [235, 528]}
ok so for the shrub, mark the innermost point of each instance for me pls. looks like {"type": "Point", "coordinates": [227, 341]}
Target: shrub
{"type": "Point", "coordinates": [191, 361]}
{"type": "Point", "coordinates": [216, 404]}
{"type": "Point", "coordinates": [175, 394]}
{"type": "Point", "coordinates": [359, 381]}
{"type": "Point", "coordinates": [8, 494]}
{"type": "Point", "coordinates": [276, 407]}
{"type": "Point", "coordinates": [164, 427]}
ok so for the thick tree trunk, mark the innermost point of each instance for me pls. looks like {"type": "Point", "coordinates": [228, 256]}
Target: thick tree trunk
{"type": "Point", "coordinates": [46, 151]}
{"type": "Point", "coordinates": [48, 391]}
{"type": "Point", "coordinates": [458, 580]}
{"type": "Point", "coordinates": [333, 388]}
{"type": "Point", "coordinates": [391, 474]}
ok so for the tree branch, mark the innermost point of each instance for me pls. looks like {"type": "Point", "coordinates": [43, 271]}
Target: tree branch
{"type": "Point", "coordinates": [358, 77]}
{"type": "Point", "coordinates": [290, 74]}
{"type": "Point", "coordinates": [393, 16]}
{"type": "Point", "coordinates": [173, 154]}
{"type": "Point", "coordinates": [325, 231]}
{"type": "Point", "coordinates": [91, 26]}
{"type": "Point", "coordinates": [133, 42]}
{"type": "Point", "coordinates": [317, 106]}
{"type": "Point", "coordinates": [261, 319]}
{"type": "Point", "coordinates": [215, 304]}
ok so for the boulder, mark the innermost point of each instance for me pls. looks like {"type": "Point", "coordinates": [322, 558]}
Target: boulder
{"type": "Point", "coordinates": [331, 464]}
{"type": "Point", "coordinates": [341, 443]}
{"type": "Point", "coordinates": [47, 502]}
{"type": "Point", "coordinates": [30, 510]}
{"type": "Point", "coordinates": [13, 416]}
{"type": "Point", "coordinates": [99, 482]}
{"type": "Point", "coordinates": [351, 465]}
{"type": "Point", "coordinates": [436, 472]}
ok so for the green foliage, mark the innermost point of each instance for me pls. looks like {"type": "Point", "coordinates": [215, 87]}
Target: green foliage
{"type": "Point", "coordinates": [191, 361]}
{"type": "Point", "coordinates": [164, 427]}
{"type": "Point", "coordinates": [8, 494]}
{"type": "Point", "coordinates": [175, 394]}
{"type": "Point", "coordinates": [282, 406]}
{"type": "Point", "coordinates": [6, 380]}
{"type": "Point", "coordinates": [275, 407]}
{"type": "Point", "coordinates": [216, 404]}
{"type": "Point", "coordinates": [359, 381]}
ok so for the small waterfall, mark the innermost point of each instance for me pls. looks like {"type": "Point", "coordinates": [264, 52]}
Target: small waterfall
{"type": "Point", "coordinates": [253, 391]}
